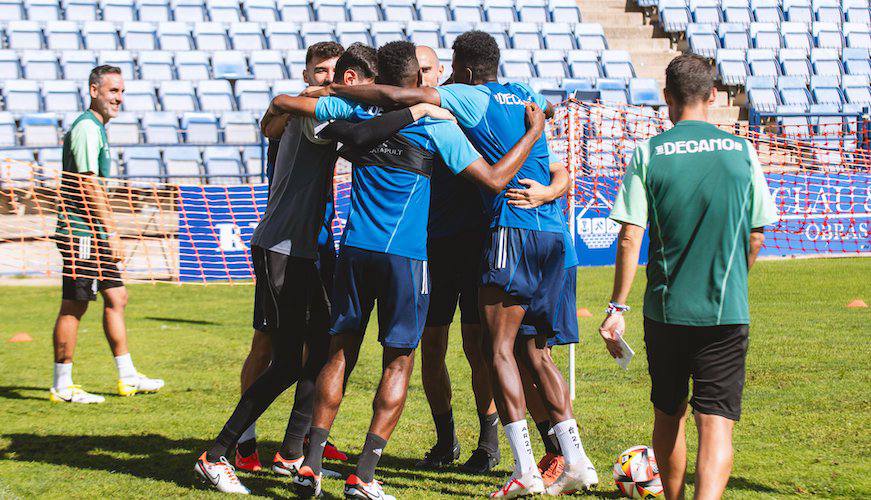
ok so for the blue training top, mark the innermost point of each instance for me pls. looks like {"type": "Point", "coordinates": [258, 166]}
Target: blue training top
{"type": "Point", "coordinates": [493, 117]}
{"type": "Point", "coordinates": [390, 206]}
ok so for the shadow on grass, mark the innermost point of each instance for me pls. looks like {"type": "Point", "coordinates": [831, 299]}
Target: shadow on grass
{"type": "Point", "coordinates": [15, 392]}
{"type": "Point", "coordinates": [182, 320]}
{"type": "Point", "coordinates": [739, 483]}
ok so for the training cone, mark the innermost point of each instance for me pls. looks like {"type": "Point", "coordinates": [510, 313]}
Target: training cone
{"type": "Point", "coordinates": [584, 313]}
{"type": "Point", "coordinates": [857, 303]}
{"type": "Point", "coordinates": [21, 337]}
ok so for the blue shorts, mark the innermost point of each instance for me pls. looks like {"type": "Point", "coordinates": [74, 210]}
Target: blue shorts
{"type": "Point", "coordinates": [454, 264]}
{"type": "Point", "coordinates": [529, 266]}
{"type": "Point", "coordinates": [399, 284]}
{"type": "Point", "coordinates": [565, 315]}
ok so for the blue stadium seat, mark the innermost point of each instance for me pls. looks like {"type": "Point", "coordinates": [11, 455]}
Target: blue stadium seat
{"type": "Point", "coordinates": [584, 65]}
{"type": "Point", "coordinates": [11, 10]}
{"type": "Point", "coordinates": [313, 33]}
{"type": "Point", "coordinates": [364, 10]}
{"type": "Point", "coordinates": [644, 92]}
{"type": "Point", "coordinates": [826, 90]}
{"type": "Point", "coordinates": [51, 159]}
{"type": "Point", "coordinates": [156, 11]}
{"type": "Point", "coordinates": [124, 129]}
{"type": "Point", "coordinates": [174, 36]}
{"type": "Point", "coordinates": [177, 96]}
{"type": "Point", "coordinates": [239, 127]}
{"type": "Point", "coordinates": [703, 40]}
{"type": "Point", "coordinates": [736, 12]}
{"type": "Point", "coordinates": [500, 11]}
{"type": "Point", "coordinates": [564, 11]}
{"type": "Point", "coordinates": [182, 164]}
{"type": "Point", "coordinates": [399, 10]}
{"type": "Point", "coordinates": [825, 62]}
{"type": "Point", "coordinates": [142, 163]}
{"type": "Point", "coordinates": [734, 36]}
{"type": "Point", "coordinates": [386, 31]}
{"type": "Point", "coordinates": [558, 36]}
{"type": "Point", "coordinates": [40, 65]}
{"type": "Point", "coordinates": [761, 94]}
{"type": "Point", "coordinates": [118, 10]}
{"type": "Point", "coordinates": [793, 91]}
{"type": "Point", "coordinates": [224, 11]}
{"type": "Point", "coordinates": [190, 11]}
{"type": "Point", "coordinates": [856, 11]}
{"type": "Point", "coordinates": [350, 32]}
{"type": "Point", "coordinates": [497, 31]}
{"type": "Point", "coordinates": [10, 66]}
{"type": "Point", "coordinates": [80, 10]}
{"type": "Point", "coordinates": [160, 127]}
{"type": "Point", "coordinates": [216, 95]}
{"type": "Point", "coordinates": [200, 128]}
{"type": "Point", "coordinates": [43, 10]}
{"type": "Point", "coordinates": [549, 64]}
{"type": "Point", "coordinates": [532, 11]}
{"type": "Point", "coordinates": [794, 127]}
{"type": "Point", "coordinates": [210, 36]}
{"type": "Point", "coordinates": [706, 11]}
{"type": "Point", "coordinates": [763, 63]}
{"type": "Point", "coordinates": [467, 11]}
{"type": "Point", "coordinates": [283, 36]}
{"type": "Point", "coordinates": [266, 65]}
{"type": "Point", "coordinates": [252, 161]}
{"type": "Point", "coordinates": [123, 59]}
{"type": "Point", "coordinates": [445, 56]}
{"type": "Point", "coordinates": [766, 11]}
{"type": "Point", "coordinates": [230, 64]}
{"type": "Point", "coordinates": [590, 36]}
{"type": "Point", "coordinates": [858, 35]}
{"type": "Point", "coordinates": [856, 61]}
{"type": "Point", "coordinates": [433, 10]}
{"type": "Point", "coordinates": [424, 33]}
{"type": "Point", "coordinates": [39, 129]}
{"type": "Point", "coordinates": [62, 35]}
{"type": "Point", "coordinates": [525, 36]}
{"type": "Point", "coordinates": [794, 62]}
{"type": "Point", "coordinates": [139, 96]}
{"type": "Point", "coordinates": [61, 95]}
{"type": "Point", "coordinates": [247, 36]}
{"type": "Point", "coordinates": [450, 31]}
{"type": "Point", "coordinates": [617, 64]}
{"type": "Point", "coordinates": [856, 89]}
{"type": "Point", "coordinates": [827, 11]}
{"type": "Point", "coordinates": [673, 15]}
{"type": "Point", "coordinates": [260, 11]}
{"type": "Point", "coordinates": [77, 64]}
{"type": "Point", "coordinates": [330, 10]}
{"type": "Point", "coordinates": [100, 35]}
{"type": "Point", "coordinates": [252, 95]}
{"type": "Point", "coordinates": [612, 90]}
{"type": "Point", "coordinates": [223, 164]}
{"type": "Point", "coordinates": [8, 132]}
{"type": "Point", "coordinates": [290, 87]}
{"type": "Point", "coordinates": [298, 11]}
{"type": "Point", "coordinates": [828, 35]}
{"type": "Point", "coordinates": [139, 36]}
{"type": "Point", "coordinates": [192, 65]}
{"type": "Point", "coordinates": [24, 35]}
{"type": "Point", "coordinates": [798, 11]}
{"type": "Point", "coordinates": [516, 63]}
{"type": "Point", "coordinates": [295, 63]}
{"type": "Point", "coordinates": [796, 36]}
{"type": "Point", "coordinates": [16, 170]}
{"type": "Point", "coordinates": [765, 36]}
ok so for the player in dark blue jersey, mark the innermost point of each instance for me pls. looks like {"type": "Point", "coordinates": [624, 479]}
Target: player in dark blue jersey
{"type": "Point", "coordinates": [383, 254]}
{"type": "Point", "coordinates": [523, 271]}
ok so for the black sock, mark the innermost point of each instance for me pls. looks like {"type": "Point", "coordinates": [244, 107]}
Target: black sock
{"type": "Point", "coordinates": [317, 441]}
{"type": "Point", "coordinates": [488, 439]}
{"type": "Point", "coordinates": [247, 448]}
{"type": "Point", "coordinates": [297, 427]}
{"type": "Point", "coordinates": [551, 445]}
{"type": "Point", "coordinates": [372, 450]}
{"type": "Point", "coordinates": [446, 435]}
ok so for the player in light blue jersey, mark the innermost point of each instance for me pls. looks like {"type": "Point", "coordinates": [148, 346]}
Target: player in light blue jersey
{"type": "Point", "coordinates": [524, 255]}
{"type": "Point", "coordinates": [383, 255]}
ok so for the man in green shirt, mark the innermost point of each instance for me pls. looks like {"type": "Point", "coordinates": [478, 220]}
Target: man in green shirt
{"type": "Point", "coordinates": [704, 195]}
{"type": "Point", "coordinates": [89, 245]}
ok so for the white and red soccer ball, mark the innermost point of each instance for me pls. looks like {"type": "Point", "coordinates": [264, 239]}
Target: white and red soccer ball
{"type": "Point", "coordinates": [636, 473]}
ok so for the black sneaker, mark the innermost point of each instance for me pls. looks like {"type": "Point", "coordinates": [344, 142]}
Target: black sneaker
{"type": "Point", "coordinates": [436, 459]}
{"type": "Point", "coordinates": [481, 461]}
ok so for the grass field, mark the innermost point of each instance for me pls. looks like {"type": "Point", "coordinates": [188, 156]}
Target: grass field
{"type": "Point", "coordinates": [807, 413]}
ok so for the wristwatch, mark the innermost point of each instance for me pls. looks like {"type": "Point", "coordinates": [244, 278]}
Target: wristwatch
{"type": "Point", "coordinates": [615, 308]}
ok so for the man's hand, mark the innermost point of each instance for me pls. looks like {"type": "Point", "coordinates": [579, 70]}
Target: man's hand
{"type": "Point", "coordinates": [534, 117]}
{"type": "Point", "coordinates": [315, 91]}
{"type": "Point", "coordinates": [611, 331]}
{"type": "Point", "coordinates": [436, 112]}
{"type": "Point", "coordinates": [535, 194]}
{"type": "Point", "coordinates": [116, 249]}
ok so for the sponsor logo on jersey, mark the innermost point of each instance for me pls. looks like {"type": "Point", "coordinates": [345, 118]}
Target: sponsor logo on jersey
{"type": "Point", "coordinates": [700, 146]}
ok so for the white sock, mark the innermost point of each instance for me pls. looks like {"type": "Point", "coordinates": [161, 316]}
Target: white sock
{"type": "Point", "coordinates": [521, 446]}
{"type": "Point", "coordinates": [249, 434]}
{"type": "Point", "coordinates": [570, 441]}
{"type": "Point", "coordinates": [63, 375]}
{"type": "Point", "coordinates": [125, 366]}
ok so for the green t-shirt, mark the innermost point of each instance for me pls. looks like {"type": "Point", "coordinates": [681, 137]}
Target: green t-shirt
{"type": "Point", "coordinates": [702, 190]}
{"type": "Point", "coordinates": [85, 151]}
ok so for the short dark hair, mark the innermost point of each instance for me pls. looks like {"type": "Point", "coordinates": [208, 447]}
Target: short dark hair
{"type": "Point", "coordinates": [689, 78]}
{"type": "Point", "coordinates": [479, 52]}
{"type": "Point", "coordinates": [359, 57]}
{"type": "Point", "coordinates": [397, 62]}
{"type": "Point", "coordinates": [98, 72]}
{"type": "Point", "coordinates": [323, 50]}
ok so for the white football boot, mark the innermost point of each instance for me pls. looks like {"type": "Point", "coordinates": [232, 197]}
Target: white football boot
{"type": "Point", "coordinates": [219, 475]}
{"type": "Point", "coordinates": [74, 394]}
{"type": "Point", "coordinates": [138, 384]}
{"type": "Point", "coordinates": [529, 483]}
{"type": "Point", "coordinates": [575, 477]}
{"type": "Point", "coordinates": [356, 488]}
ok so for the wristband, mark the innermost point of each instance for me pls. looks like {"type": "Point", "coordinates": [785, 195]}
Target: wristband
{"type": "Point", "coordinates": [615, 308]}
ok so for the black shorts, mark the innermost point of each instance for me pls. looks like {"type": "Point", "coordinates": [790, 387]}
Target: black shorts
{"type": "Point", "coordinates": [455, 269]}
{"type": "Point", "coordinates": [87, 267]}
{"type": "Point", "coordinates": [289, 296]}
{"type": "Point", "coordinates": [714, 356]}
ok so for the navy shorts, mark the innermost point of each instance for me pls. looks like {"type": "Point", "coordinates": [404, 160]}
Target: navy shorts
{"type": "Point", "coordinates": [565, 315]}
{"type": "Point", "coordinates": [455, 267]}
{"type": "Point", "coordinates": [399, 284]}
{"type": "Point", "coordinates": [529, 266]}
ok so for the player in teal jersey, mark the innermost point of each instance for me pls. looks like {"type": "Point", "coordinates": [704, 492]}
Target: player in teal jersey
{"type": "Point", "coordinates": [705, 197]}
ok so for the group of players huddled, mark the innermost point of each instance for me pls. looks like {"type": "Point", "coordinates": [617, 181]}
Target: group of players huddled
{"type": "Point", "coordinates": [456, 199]}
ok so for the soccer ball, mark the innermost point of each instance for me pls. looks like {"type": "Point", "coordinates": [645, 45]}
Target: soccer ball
{"type": "Point", "coordinates": [636, 473]}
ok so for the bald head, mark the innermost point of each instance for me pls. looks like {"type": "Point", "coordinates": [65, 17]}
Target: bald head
{"type": "Point", "coordinates": [430, 66]}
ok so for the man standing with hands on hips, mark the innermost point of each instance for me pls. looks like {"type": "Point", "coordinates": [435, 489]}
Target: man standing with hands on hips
{"type": "Point", "coordinates": [705, 196]}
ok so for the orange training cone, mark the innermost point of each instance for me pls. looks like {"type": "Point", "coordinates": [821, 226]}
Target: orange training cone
{"type": "Point", "coordinates": [584, 313]}
{"type": "Point", "coordinates": [857, 303]}
{"type": "Point", "coordinates": [21, 337]}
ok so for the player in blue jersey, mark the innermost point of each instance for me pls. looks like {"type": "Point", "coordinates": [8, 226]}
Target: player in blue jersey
{"type": "Point", "coordinates": [383, 255]}
{"type": "Point", "coordinates": [523, 271]}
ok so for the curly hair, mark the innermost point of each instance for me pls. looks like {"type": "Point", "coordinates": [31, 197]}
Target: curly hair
{"type": "Point", "coordinates": [479, 52]}
{"type": "Point", "coordinates": [359, 57]}
{"type": "Point", "coordinates": [397, 63]}
{"type": "Point", "coordinates": [322, 51]}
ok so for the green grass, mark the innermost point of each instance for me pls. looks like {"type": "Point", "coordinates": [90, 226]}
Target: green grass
{"type": "Point", "coordinates": [807, 409]}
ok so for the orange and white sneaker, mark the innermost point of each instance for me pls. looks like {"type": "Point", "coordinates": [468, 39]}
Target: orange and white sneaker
{"type": "Point", "coordinates": [356, 488]}
{"type": "Point", "coordinates": [330, 451]}
{"type": "Point", "coordinates": [251, 463]}
{"type": "Point", "coordinates": [306, 483]}
{"type": "Point", "coordinates": [286, 467]}
{"type": "Point", "coordinates": [219, 475]}
{"type": "Point", "coordinates": [551, 467]}
{"type": "Point", "coordinates": [528, 484]}
{"type": "Point", "coordinates": [574, 477]}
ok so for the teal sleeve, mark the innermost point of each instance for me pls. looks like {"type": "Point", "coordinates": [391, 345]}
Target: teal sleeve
{"type": "Point", "coordinates": [452, 145]}
{"type": "Point", "coordinates": [85, 143]}
{"type": "Point", "coordinates": [764, 211]}
{"type": "Point", "coordinates": [467, 102]}
{"type": "Point", "coordinates": [334, 108]}
{"type": "Point", "coordinates": [630, 206]}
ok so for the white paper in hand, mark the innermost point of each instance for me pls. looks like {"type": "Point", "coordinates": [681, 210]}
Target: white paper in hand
{"type": "Point", "coordinates": [624, 360]}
